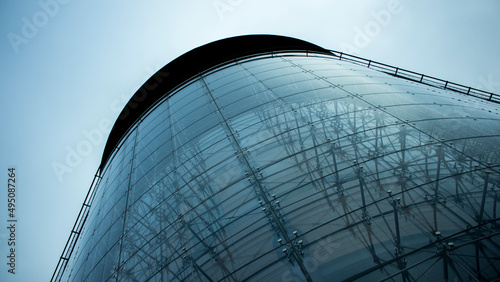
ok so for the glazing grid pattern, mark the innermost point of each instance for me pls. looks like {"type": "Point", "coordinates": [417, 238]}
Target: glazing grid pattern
{"type": "Point", "coordinates": [296, 168]}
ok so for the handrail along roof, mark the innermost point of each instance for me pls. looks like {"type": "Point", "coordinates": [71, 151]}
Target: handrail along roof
{"type": "Point", "coordinates": [211, 55]}
{"type": "Point", "coordinates": [222, 51]}
{"type": "Point", "coordinates": [191, 63]}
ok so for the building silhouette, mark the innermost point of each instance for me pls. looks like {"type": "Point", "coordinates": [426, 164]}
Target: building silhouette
{"type": "Point", "coordinates": [268, 158]}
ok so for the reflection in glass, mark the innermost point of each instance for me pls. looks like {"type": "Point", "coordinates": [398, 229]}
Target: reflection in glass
{"type": "Point", "coordinates": [296, 168]}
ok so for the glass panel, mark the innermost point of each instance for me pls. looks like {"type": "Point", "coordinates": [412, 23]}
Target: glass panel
{"type": "Point", "coordinates": [294, 167]}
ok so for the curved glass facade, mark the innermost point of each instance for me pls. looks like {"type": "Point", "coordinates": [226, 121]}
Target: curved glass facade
{"type": "Point", "coordinates": [294, 167]}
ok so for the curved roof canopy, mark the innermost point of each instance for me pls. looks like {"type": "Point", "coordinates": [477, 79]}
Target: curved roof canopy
{"type": "Point", "coordinates": [190, 64]}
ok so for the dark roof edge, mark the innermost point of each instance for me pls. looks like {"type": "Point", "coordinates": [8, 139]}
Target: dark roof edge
{"type": "Point", "coordinates": [191, 63]}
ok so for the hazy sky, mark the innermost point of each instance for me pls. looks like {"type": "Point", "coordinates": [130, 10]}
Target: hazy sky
{"type": "Point", "coordinates": [68, 67]}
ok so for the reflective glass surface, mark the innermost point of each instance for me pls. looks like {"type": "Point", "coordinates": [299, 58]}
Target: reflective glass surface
{"type": "Point", "coordinates": [297, 168]}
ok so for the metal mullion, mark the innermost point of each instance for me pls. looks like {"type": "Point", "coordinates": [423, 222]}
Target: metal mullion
{"type": "Point", "coordinates": [260, 188]}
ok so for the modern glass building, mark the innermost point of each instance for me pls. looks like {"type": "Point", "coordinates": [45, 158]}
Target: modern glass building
{"type": "Point", "coordinates": [267, 158]}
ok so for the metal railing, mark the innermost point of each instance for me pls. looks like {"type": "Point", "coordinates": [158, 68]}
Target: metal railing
{"type": "Point", "coordinates": [391, 70]}
{"type": "Point", "coordinates": [418, 77]}
{"type": "Point", "coordinates": [76, 230]}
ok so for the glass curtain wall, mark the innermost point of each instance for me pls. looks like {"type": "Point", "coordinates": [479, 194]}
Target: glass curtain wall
{"type": "Point", "coordinates": [299, 168]}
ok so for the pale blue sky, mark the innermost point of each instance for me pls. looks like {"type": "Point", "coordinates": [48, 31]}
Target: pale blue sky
{"type": "Point", "coordinates": [68, 66]}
